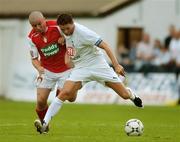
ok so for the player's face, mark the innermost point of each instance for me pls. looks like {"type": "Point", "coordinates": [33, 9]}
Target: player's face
{"type": "Point", "coordinates": [39, 25]}
{"type": "Point", "coordinates": [67, 29]}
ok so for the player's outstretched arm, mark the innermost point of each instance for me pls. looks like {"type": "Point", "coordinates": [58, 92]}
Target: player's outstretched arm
{"type": "Point", "coordinates": [118, 68]}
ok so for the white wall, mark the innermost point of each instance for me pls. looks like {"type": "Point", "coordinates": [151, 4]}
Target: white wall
{"type": "Point", "coordinates": [154, 15]}
{"type": "Point", "coordinates": [158, 15]}
{"type": "Point", "coordinates": [8, 38]}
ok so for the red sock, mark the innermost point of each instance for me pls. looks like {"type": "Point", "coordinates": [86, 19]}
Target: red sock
{"type": "Point", "coordinates": [41, 113]}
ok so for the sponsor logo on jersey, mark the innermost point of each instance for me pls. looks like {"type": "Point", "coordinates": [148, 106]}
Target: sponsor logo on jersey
{"type": "Point", "coordinates": [50, 50]}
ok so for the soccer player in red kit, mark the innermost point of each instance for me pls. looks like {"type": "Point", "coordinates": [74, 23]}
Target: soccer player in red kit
{"type": "Point", "coordinates": [47, 51]}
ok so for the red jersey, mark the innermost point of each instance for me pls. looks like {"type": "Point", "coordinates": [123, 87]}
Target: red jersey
{"type": "Point", "coordinates": [51, 53]}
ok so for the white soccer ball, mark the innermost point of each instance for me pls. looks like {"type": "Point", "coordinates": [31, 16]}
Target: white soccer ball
{"type": "Point", "coordinates": [134, 127]}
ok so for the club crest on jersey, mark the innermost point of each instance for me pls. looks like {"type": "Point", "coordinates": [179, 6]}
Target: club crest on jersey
{"type": "Point", "coordinates": [50, 50]}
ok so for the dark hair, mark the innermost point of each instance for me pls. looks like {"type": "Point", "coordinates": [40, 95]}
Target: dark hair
{"type": "Point", "coordinates": [64, 19]}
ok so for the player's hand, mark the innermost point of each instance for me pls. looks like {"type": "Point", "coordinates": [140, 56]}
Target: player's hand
{"type": "Point", "coordinates": [119, 70]}
{"type": "Point", "coordinates": [61, 41]}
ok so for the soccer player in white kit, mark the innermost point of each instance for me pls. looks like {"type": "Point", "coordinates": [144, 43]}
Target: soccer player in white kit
{"type": "Point", "coordinates": [83, 48]}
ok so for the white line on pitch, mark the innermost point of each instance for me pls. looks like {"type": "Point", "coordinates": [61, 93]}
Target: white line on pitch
{"type": "Point", "coordinates": [13, 124]}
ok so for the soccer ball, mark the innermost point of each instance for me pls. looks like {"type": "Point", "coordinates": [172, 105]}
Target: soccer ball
{"type": "Point", "coordinates": [134, 127]}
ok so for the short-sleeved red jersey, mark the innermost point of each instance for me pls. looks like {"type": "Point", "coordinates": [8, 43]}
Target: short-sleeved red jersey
{"type": "Point", "coordinates": [51, 53]}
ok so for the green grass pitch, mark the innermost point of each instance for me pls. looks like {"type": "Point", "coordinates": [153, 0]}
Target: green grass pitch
{"type": "Point", "coordinates": [89, 123]}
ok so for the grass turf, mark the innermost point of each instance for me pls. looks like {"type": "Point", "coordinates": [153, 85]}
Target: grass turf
{"type": "Point", "coordinates": [89, 123]}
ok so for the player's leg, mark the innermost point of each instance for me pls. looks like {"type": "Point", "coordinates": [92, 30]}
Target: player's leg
{"type": "Point", "coordinates": [125, 93]}
{"type": "Point", "coordinates": [120, 89]}
{"type": "Point", "coordinates": [44, 87]}
{"type": "Point", "coordinates": [41, 105]}
{"type": "Point", "coordinates": [68, 92]}
{"type": "Point", "coordinates": [60, 84]}
{"type": "Point", "coordinates": [108, 76]}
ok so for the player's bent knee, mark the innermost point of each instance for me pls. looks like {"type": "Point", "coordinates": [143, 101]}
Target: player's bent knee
{"type": "Point", "coordinates": [67, 95]}
{"type": "Point", "coordinates": [64, 95]}
{"type": "Point", "coordinates": [72, 99]}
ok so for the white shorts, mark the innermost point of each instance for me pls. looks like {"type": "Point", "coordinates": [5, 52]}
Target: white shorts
{"type": "Point", "coordinates": [50, 79]}
{"type": "Point", "coordinates": [100, 75]}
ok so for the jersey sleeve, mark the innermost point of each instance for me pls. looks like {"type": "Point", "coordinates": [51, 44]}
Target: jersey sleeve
{"type": "Point", "coordinates": [33, 50]}
{"type": "Point", "coordinates": [90, 37]}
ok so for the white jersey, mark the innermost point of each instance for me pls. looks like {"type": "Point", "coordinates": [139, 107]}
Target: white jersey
{"type": "Point", "coordinates": [83, 43]}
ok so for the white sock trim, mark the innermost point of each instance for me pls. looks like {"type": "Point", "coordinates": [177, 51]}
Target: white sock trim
{"type": "Point", "coordinates": [132, 94]}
